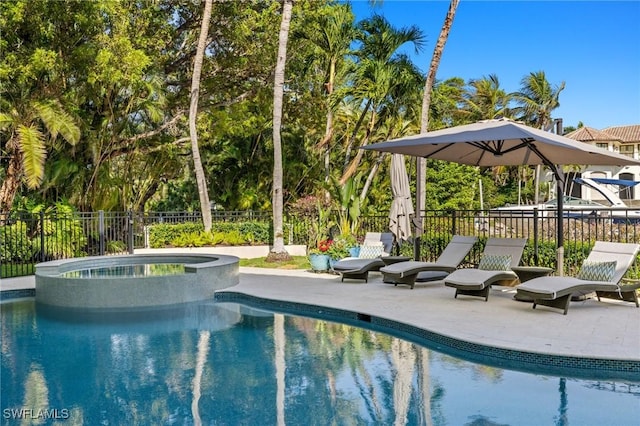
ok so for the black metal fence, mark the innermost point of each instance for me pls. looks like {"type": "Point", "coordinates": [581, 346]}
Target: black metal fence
{"type": "Point", "coordinates": [581, 228]}
{"type": "Point", "coordinates": [29, 238]}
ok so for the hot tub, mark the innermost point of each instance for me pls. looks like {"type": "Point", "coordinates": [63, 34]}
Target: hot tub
{"type": "Point", "coordinates": [133, 281]}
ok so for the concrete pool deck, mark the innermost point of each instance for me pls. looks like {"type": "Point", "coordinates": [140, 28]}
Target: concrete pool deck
{"type": "Point", "coordinates": [591, 329]}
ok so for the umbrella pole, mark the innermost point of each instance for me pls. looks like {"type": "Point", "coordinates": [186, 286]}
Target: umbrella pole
{"type": "Point", "coordinates": [421, 173]}
{"type": "Point", "coordinates": [560, 226]}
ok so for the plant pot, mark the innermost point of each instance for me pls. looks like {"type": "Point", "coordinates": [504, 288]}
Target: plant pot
{"type": "Point", "coordinates": [354, 251]}
{"type": "Point", "coordinates": [319, 262]}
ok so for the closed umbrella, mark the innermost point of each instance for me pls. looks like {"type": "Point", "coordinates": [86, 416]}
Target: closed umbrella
{"type": "Point", "coordinates": [505, 143]}
{"type": "Point", "coordinates": [402, 206]}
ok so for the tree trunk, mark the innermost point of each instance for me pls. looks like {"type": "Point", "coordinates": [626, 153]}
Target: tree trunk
{"type": "Point", "coordinates": [347, 157]}
{"type": "Point", "coordinates": [328, 132]}
{"type": "Point", "coordinates": [353, 166]}
{"type": "Point", "coordinates": [278, 249]}
{"type": "Point", "coordinates": [203, 192]}
{"type": "Point", "coordinates": [372, 174]}
{"type": "Point", "coordinates": [421, 169]}
{"type": "Point", "coordinates": [11, 182]}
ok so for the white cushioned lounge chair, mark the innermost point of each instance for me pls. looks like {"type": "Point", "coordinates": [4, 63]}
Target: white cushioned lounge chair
{"type": "Point", "coordinates": [601, 273]}
{"type": "Point", "coordinates": [411, 271]}
{"type": "Point", "coordinates": [374, 246]}
{"type": "Point", "coordinates": [498, 256]}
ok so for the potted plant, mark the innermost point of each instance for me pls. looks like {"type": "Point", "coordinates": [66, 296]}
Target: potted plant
{"type": "Point", "coordinates": [351, 244]}
{"type": "Point", "coordinates": [337, 250]}
{"type": "Point", "coordinates": [319, 242]}
{"type": "Point", "coordinates": [319, 257]}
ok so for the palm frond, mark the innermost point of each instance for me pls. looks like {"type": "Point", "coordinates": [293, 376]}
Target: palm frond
{"type": "Point", "coordinates": [57, 121]}
{"type": "Point", "coordinates": [31, 142]}
{"type": "Point", "coordinates": [6, 120]}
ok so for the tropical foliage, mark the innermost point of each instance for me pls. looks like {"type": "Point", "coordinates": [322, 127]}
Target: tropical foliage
{"type": "Point", "coordinates": [95, 99]}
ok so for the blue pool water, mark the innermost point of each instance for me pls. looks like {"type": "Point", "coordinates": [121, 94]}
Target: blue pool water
{"type": "Point", "coordinates": [228, 364]}
{"type": "Point", "coordinates": [129, 271]}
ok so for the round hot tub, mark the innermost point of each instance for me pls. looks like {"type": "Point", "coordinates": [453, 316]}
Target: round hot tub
{"type": "Point", "coordinates": [133, 281]}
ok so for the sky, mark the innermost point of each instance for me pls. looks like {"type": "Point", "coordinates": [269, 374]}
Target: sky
{"type": "Point", "coordinates": [592, 46]}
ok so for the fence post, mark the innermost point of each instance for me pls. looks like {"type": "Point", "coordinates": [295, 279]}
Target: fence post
{"type": "Point", "coordinates": [536, 257]}
{"type": "Point", "coordinates": [453, 223]}
{"type": "Point", "coordinates": [101, 244]}
{"type": "Point", "coordinates": [42, 235]}
{"type": "Point", "coordinates": [130, 231]}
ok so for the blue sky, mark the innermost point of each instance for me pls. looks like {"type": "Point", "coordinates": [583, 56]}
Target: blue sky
{"type": "Point", "coordinates": [593, 46]}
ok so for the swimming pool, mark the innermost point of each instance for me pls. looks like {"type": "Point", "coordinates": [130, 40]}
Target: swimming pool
{"type": "Point", "coordinates": [230, 364]}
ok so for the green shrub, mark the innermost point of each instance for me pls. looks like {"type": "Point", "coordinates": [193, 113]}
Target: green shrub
{"type": "Point", "coordinates": [163, 235]}
{"type": "Point", "coordinates": [546, 254]}
{"type": "Point", "coordinates": [191, 234]}
{"type": "Point", "coordinates": [193, 239]}
{"type": "Point", "coordinates": [218, 238]}
{"type": "Point", "coordinates": [63, 233]}
{"type": "Point", "coordinates": [116, 247]}
{"type": "Point", "coordinates": [233, 238]}
{"type": "Point", "coordinates": [15, 243]}
{"type": "Point", "coordinates": [256, 232]}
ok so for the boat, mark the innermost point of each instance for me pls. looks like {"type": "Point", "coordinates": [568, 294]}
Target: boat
{"type": "Point", "coordinates": [575, 207]}
{"type": "Point", "coordinates": [572, 207]}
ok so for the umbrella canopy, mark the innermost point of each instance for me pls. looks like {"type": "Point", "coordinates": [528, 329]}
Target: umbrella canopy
{"type": "Point", "coordinates": [402, 206]}
{"type": "Point", "coordinates": [505, 143]}
{"type": "Point", "coordinates": [501, 143]}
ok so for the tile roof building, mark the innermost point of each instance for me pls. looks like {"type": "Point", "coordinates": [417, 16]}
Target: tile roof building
{"type": "Point", "coordinates": [621, 139]}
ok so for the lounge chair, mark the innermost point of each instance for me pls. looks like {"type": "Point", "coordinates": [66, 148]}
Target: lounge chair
{"type": "Point", "coordinates": [601, 273]}
{"type": "Point", "coordinates": [498, 256]}
{"type": "Point", "coordinates": [411, 271]}
{"type": "Point", "coordinates": [374, 246]}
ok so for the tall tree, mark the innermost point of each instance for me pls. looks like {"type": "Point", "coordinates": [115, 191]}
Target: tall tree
{"type": "Point", "coordinates": [278, 250]}
{"type": "Point", "coordinates": [331, 35]}
{"type": "Point", "coordinates": [203, 192]}
{"type": "Point", "coordinates": [421, 169]}
{"type": "Point", "coordinates": [379, 72]}
{"type": "Point", "coordinates": [536, 100]}
{"type": "Point", "coordinates": [486, 99]}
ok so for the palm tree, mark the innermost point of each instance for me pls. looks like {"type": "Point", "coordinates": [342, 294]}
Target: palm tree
{"type": "Point", "coordinates": [393, 127]}
{"type": "Point", "coordinates": [331, 35]}
{"type": "Point", "coordinates": [203, 192]}
{"type": "Point", "coordinates": [278, 249]}
{"type": "Point", "coordinates": [30, 127]}
{"type": "Point", "coordinates": [537, 98]}
{"type": "Point", "coordinates": [378, 73]}
{"type": "Point", "coordinates": [486, 100]}
{"type": "Point", "coordinates": [421, 169]}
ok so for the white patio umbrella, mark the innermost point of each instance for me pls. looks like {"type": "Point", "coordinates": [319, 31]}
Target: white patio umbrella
{"type": "Point", "coordinates": [505, 143]}
{"type": "Point", "coordinates": [402, 206]}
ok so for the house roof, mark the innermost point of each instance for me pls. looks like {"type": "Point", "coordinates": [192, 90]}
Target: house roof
{"type": "Point", "coordinates": [625, 133]}
{"type": "Point", "coordinates": [589, 134]}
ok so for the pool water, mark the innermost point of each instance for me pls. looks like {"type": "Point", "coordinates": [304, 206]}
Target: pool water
{"type": "Point", "coordinates": [129, 271]}
{"type": "Point", "coordinates": [228, 364]}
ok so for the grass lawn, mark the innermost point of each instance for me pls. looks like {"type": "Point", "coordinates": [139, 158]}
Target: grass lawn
{"type": "Point", "coordinates": [296, 262]}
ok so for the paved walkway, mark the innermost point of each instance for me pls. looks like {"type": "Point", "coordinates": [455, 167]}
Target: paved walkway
{"type": "Point", "coordinates": [608, 329]}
